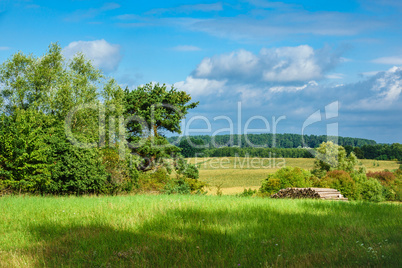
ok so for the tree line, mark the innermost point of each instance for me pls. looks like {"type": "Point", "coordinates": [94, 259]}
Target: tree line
{"type": "Point", "coordinates": [226, 146]}
{"type": "Point", "coordinates": [272, 141]}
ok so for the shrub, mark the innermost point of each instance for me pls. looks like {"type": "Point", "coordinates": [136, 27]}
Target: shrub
{"type": "Point", "coordinates": [247, 193]}
{"type": "Point", "coordinates": [285, 178]}
{"type": "Point", "coordinates": [385, 177]}
{"type": "Point", "coordinates": [189, 174]}
{"type": "Point", "coordinates": [25, 151]}
{"type": "Point", "coordinates": [195, 185]}
{"type": "Point", "coordinates": [390, 182]}
{"type": "Point", "coordinates": [153, 181]}
{"type": "Point", "coordinates": [341, 181]}
{"type": "Point", "coordinates": [177, 187]}
{"type": "Point", "coordinates": [77, 170]}
{"type": "Point", "coordinates": [371, 190]}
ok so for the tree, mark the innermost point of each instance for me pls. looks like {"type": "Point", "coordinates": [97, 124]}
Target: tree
{"type": "Point", "coordinates": [358, 152]}
{"type": "Point", "coordinates": [331, 156]}
{"type": "Point", "coordinates": [152, 110]}
{"type": "Point", "coordinates": [37, 94]}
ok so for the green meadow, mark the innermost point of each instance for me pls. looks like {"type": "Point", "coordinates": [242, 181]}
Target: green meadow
{"type": "Point", "coordinates": [201, 231]}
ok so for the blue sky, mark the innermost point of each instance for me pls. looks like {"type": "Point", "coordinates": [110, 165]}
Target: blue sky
{"type": "Point", "coordinates": [277, 59]}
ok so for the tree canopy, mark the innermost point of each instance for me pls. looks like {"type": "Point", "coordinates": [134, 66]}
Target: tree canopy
{"type": "Point", "coordinates": [61, 126]}
{"type": "Point", "coordinates": [151, 111]}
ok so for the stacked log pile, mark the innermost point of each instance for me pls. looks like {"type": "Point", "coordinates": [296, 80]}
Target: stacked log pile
{"type": "Point", "coordinates": [322, 193]}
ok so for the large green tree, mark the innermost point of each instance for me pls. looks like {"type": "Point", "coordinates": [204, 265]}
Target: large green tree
{"type": "Point", "coordinates": [331, 156]}
{"type": "Point", "coordinates": [151, 111]}
{"type": "Point", "coordinates": [38, 95]}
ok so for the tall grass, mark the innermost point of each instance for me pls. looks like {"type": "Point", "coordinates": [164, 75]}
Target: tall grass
{"type": "Point", "coordinates": [188, 231]}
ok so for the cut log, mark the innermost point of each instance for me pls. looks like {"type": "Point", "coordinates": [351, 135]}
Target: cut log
{"type": "Point", "coordinates": [315, 193]}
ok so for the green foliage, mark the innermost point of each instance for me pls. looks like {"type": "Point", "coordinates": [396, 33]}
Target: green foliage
{"type": "Point", "coordinates": [150, 110]}
{"type": "Point", "coordinates": [358, 152]}
{"type": "Point", "coordinates": [391, 183]}
{"type": "Point", "coordinates": [40, 94]}
{"type": "Point", "coordinates": [191, 147]}
{"type": "Point", "coordinates": [285, 178]}
{"type": "Point", "coordinates": [77, 170]}
{"type": "Point", "coordinates": [331, 156]}
{"type": "Point", "coordinates": [341, 181]}
{"type": "Point", "coordinates": [54, 129]}
{"type": "Point", "coordinates": [153, 181]}
{"type": "Point", "coordinates": [25, 151]}
{"type": "Point", "coordinates": [383, 151]}
{"type": "Point", "coordinates": [189, 174]}
{"type": "Point", "coordinates": [277, 140]}
{"type": "Point", "coordinates": [371, 190]}
{"type": "Point", "coordinates": [185, 169]}
{"type": "Point", "coordinates": [177, 187]}
{"type": "Point", "coordinates": [154, 152]}
{"type": "Point", "coordinates": [247, 193]}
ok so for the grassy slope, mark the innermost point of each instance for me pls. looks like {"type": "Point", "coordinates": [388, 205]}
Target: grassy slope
{"type": "Point", "coordinates": [235, 174]}
{"type": "Point", "coordinates": [190, 231]}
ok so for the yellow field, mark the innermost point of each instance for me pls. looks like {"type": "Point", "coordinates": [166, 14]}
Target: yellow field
{"type": "Point", "coordinates": [233, 174]}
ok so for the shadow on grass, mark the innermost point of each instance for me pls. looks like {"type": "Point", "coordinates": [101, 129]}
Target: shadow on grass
{"type": "Point", "coordinates": [246, 237]}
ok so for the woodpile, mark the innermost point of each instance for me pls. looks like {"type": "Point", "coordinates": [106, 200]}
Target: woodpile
{"type": "Point", "coordinates": [316, 193]}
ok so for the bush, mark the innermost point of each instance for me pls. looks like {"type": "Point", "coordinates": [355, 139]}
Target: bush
{"type": "Point", "coordinates": [177, 187]}
{"type": "Point", "coordinates": [153, 181]}
{"type": "Point", "coordinates": [77, 170]}
{"type": "Point", "coordinates": [341, 181]}
{"type": "Point", "coordinates": [285, 178]}
{"type": "Point", "coordinates": [247, 193]}
{"type": "Point", "coordinates": [371, 190]}
{"type": "Point", "coordinates": [385, 177]}
{"type": "Point", "coordinates": [25, 152]}
{"type": "Point", "coordinates": [390, 182]}
{"type": "Point", "coordinates": [189, 174]}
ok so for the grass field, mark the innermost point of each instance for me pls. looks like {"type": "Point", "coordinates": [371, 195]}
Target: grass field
{"type": "Point", "coordinates": [233, 174]}
{"type": "Point", "coordinates": [197, 231]}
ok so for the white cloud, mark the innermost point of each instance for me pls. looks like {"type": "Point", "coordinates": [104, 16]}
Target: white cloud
{"type": "Point", "coordinates": [186, 48]}
{"type": "Point", "coordinates": [292, 64]}
{"type": "Point", "coordinates": [240, 62]}
{"type": "Point", "coordinates": [103, 54]}
{"type": "Point", "coordinates": [397, 60]}
{"type": "Point", "coordinates": [4, 48]}
{"type": "Point", "coordinates": [198, 87]}
{"type": "Point", "coordinates": [279, 65]}
{"type": "Point", "coordinates": [292, 88]}
{"type": "Point", "coordinates": [387, 88]}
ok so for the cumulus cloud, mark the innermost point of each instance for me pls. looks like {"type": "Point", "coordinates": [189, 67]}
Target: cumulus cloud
{"type": "Point", "coordinates": [386, 88]}
{"type": "Point", "coordinates": [238, 64]}
{"type": "Point", "coordinates": [278, 65]}
{"type": "Point", "coordinates": [291, 64]}
{"type": "Point", "coordinates": [374, 101]}
{"type": "Point", "coordinates": [103, 54]}
{"type": "Point", "coordinates": [201, 86]}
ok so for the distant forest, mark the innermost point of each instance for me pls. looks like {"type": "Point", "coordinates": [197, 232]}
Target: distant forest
{"type": "Point", "coordinates": [280, 145]}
